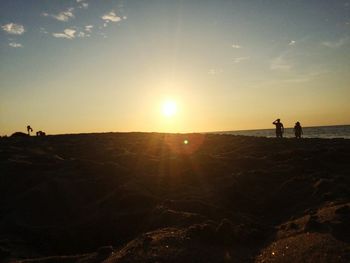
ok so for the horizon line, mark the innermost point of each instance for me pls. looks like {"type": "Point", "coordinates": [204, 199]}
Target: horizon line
{"type": "Point", "coordinates": [222, 131]}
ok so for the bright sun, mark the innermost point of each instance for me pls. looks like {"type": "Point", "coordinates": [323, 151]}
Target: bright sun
{"type": "Point", "coordinates": [169, 108]}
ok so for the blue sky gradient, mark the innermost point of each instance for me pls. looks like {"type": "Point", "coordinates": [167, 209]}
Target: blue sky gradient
{"type": "Point", "coordinates": [85, 66]}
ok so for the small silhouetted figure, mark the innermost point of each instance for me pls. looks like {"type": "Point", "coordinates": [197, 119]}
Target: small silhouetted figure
{"type": "Point", "coordinates": [40, 133]}
{"type": "Point", "coordinates": [298, 131]}
{"type": "Point", "coordinates": [29, 129]}
{"type": "Point", "coordinates": [279, 128]}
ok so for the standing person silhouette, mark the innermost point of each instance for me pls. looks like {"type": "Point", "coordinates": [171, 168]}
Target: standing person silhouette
{"type": "Point", "coordinates": [279, 128]}
{"type": "Point", "coordinates": [29, 129]}
{"type": "Point", "coordinates": [298, 131]}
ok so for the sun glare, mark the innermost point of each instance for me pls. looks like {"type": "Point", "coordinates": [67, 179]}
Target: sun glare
{"type": "Point", "coordinates": [169, 108]}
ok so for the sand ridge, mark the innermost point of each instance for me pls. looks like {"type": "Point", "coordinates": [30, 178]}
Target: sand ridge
{"type": "Point", "coordinates": [149, 197]}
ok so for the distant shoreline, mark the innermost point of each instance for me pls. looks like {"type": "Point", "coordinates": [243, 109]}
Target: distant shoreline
{"type": "Point", "coordinates": [325, 126]}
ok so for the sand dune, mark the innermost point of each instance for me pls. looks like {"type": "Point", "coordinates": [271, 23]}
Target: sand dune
{"type": "Point", "coordinates": [147, 197]}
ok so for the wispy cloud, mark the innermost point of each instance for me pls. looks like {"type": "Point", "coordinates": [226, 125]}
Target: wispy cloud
{"type": "Point", "coordinates": [215, 71]}
{"type": "Point", "coordinates": [14, 29]}
{"type": "Point", "coordinates": [43, 30]}
{"type": "Point", "coordinates": [306, 76]}
{"type": "Point", "coordinates": [338, 43]}
{"type": "Point", "coordinates": [240, 59]}
{"type": "Point", "coordinates": [15, 45]}
{"type": "Point", "coordinates": [82, 4]}
{"type": "Point", "coordinates": [81, 34]}
{"type": "Point", "coordinates": [236, 46]}
{"type": "Point", "coordinates": [89, 28]}
{"type": "Point", "coordinates": [111, 17]}
{"type": "Point", "coordinates": [67, 33]}
{"type": "Point", "coordinates": [280, 63]}
{"type": "Point", "coordinates": [292, 43]}
{"type": "Point", "coordinates": [63, 16]}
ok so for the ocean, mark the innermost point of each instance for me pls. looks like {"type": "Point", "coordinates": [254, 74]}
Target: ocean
{"type": "Point", "coordinates": [326, 132]}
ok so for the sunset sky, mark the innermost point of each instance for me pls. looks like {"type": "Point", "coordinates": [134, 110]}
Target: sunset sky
{"type": "Point", "coordinates": [98, 66]}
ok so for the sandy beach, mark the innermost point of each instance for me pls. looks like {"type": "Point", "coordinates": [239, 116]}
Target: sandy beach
{"type": "Point", "coordinates": [151, 197]}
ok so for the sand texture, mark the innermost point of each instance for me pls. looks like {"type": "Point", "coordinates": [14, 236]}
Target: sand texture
{"type": "Point", "coordinates": [148, 197]}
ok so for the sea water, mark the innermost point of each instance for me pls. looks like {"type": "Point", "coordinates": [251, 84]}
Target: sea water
{"type": "Point", "coordinates": [327, 132]}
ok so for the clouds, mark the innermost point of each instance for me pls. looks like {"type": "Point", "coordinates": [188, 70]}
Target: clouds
{"type": "Point", "coordinates": [89, 28]}
{"type": "Point", "coordinates": [236, 46]}
{"type": "Point", "coordinates": [72, 28]}
{"type": "Point", "coordinates": [71, 33]}
{"type": "Point", "coordinates": [15, 45]}
{"type": "Point", "coordinates": [84, 5]}
{"type": "Point", "coordinates": [63, 16]}
{"type": "Point", "coordinates": [68, 33]}
{"type": "Point", "coordinates": [13, 29]}
{"type": "Point", "coordinates": [82, 34]}
{"type": "Point", "coordinates": [292, 43]}
{"type": "Point", "coordinates": [111, 17]}
{"type": "Point", "coordinates": [43, 30]}
{"type": "Point", "coordinates": [85, 31]}
{"type": "Point", "coordinates": [67, 14]}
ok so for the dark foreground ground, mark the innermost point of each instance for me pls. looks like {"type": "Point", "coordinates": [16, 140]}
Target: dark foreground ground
{"type": "Point", "coordinates": [141, 197]}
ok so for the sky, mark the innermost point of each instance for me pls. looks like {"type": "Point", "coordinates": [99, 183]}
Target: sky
{"type": "Point", "coordinates": [76, 66]}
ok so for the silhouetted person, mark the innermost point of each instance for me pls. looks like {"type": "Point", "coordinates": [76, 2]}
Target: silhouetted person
{"type": "Point", "coordinates": [29, 129]}
{"type": "Point", "coordinates": [298, 131]}
{"type": "Point", "coordinates": [279, 128]}
{"type": "Point", "coordinates": [40, 133]}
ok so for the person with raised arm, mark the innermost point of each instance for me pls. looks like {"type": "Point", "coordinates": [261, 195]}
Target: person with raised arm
{"type": "Point", "coordinates": [279, 128]}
